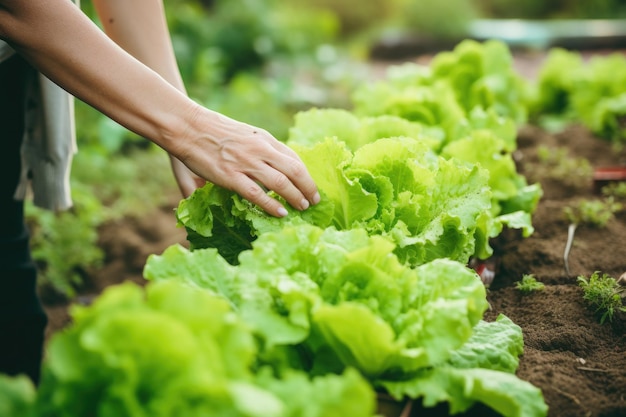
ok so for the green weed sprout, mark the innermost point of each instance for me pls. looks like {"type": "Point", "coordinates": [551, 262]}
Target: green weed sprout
{"type": "Point", "coordinates": [594, 212]}
{"type": "Point", "coordinates": [617, 190]}
{"type": "Point", "coordinates": [557, 163]}
{"type": "Point", "coordinates": [604, 293]}
{"type": "Point", "coordinates": [529, 284]}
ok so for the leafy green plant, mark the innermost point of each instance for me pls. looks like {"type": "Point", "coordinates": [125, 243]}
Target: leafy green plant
{"type": "Point", "coordinates": [324, 300]}
{"type": "Point", "coordinates": [615, 189]}
{"type": "Point", "coordinates": [472, 100]}
{"type": "Point", "coordinates": [593, 212]}
{"type": "Point", "coordinates": [529, 284]}
{"type": "Point", "coordinates": [455, 83]}
{"type": "Point", "coordinates": [482, 75]}
{"type": "Point", "coordinates": [64, 244]}
{"type": "Point", "coordinates": [483, 139]}
{"type": "Point", "coordinates": [171, 349]}
{"type": "Point", "coordinates": [591, 92]}
{"type": "Point", "coordinates": [603, 293]}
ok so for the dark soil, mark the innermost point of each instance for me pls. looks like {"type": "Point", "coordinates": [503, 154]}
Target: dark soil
{"type": "Point", "coordinates": [578, 363]}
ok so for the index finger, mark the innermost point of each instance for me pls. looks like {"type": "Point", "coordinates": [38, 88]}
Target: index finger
{"type": "Point", "coordinates": [296, 171]}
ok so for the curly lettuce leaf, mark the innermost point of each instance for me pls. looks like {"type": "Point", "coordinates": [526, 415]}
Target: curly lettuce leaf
{"type": "Point", "coordinates": [481, 74]}
{"type": "Point", "coordinates": [462, 388]}
{"type": "Point", "coordinates": [553, 88]}
{"type": "Point", "coordinates": [207, 215]}
{"type": "Point", "coordinates": [415, 332]}
{"type": "Point", "coordinates": [332, 395]}
{"type": "Point", "coordinates": [428, 206]}
{"type": "Point", "coordinates": [315, 125]}
{"type": "Point", "coordinates": [429, 323]}
{"type": "Point", "coordinates": [246, 292]}
{"type": "Point", "coordinates": [482, 370]}
{"type": "Point", "coordinates": [483, 147]}
{"type": "Point", "coordinates": [505, 341]}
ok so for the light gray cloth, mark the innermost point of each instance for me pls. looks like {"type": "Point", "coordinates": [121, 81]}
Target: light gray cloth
{"type": "Point", "coordinates": [49, 142]}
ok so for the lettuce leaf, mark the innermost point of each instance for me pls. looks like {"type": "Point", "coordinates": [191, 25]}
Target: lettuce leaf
{"type": "Point", "coordinates": [482, 370]}
{"type": "Point", "coordinates": [462, 388]}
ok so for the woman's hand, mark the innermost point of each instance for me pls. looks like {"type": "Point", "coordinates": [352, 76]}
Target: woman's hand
{"type": "Point", "coordinates": [245, 159]}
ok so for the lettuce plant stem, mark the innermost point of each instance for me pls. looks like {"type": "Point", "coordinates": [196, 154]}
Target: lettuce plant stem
{"type": "Point", "coordinates": [406, 412]}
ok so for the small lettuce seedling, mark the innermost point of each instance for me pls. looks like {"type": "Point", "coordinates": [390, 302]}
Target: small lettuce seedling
{"type": "Point", "coordinates": [616, 190]}
{"type": "Point", "coordinates": [594, 212]}
{"type": "Point", "coordinates": [529, 284]}
{"type": "Point", "coordinates": [604, 293]}
{"type": "Point", "coordinates": [559, 164]}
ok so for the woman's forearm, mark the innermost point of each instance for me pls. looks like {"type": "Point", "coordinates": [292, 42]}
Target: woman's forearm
{"type": "Point", "coordinates": [140, 27]}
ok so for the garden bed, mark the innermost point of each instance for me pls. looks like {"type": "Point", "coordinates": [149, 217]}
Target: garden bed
{"type": "Point", "coordinates": [578, 363]}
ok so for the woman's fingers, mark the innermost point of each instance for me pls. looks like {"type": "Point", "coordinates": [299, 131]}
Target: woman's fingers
{"type": "Point", "coordinates": [286, 176]}
{"type": "Point", "coordinates": [247, 160]}
{"type": "Point", "coordinates": [297, 172]}
{"type": "Point", "coordinates": [289, 178]}
{"type": "Point", "coordinates": [249, 189]}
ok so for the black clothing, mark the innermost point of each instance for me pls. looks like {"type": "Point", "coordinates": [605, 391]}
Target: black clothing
{"type": "Point", "coordinates": [22, 318]}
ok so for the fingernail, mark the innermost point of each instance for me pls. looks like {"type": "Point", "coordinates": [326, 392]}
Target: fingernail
{"type": "Point", "coordinates": [316, 198]}
{"type": "Point", "coordinates": [282, 212]}
{"type": "Point", "coordinates": [304, 204]}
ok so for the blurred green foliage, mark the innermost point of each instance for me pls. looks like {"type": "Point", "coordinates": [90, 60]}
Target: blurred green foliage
{"type": "Point", "coordinates": [542, 9]}
{"type": "Point", "coordinates": [64, 243]}
{"type": "Point", "coordinates": [446, 18]}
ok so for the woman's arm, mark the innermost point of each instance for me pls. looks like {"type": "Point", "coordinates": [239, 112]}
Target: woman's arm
{"type": "Point", "coordinates": [140, 27]}
{"type": "Point", "coordinates": [71, 50]}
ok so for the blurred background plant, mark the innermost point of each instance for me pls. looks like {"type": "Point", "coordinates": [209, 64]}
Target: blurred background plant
{"type": "Point", "coordinates": [259, 61]}
{"type": "Point", "coordinates": [559, 9]}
